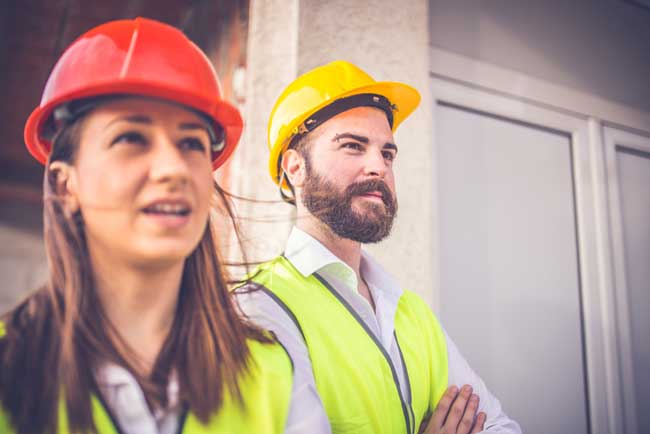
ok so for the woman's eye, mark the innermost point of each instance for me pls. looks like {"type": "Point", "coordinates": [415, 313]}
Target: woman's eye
{"type": "Point", "coordinates": [130, 137]}
{"type": "Point", "coordinates": [193, 144]}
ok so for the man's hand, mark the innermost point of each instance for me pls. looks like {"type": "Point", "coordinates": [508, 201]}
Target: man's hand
{"type": "Point", "coordinates": [455, 413]}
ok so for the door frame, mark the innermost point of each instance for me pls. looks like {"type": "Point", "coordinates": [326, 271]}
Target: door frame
{"type": "Point", "coordinates": [614, 137]}
{"type": "Point", "coordinates": [474, 85]}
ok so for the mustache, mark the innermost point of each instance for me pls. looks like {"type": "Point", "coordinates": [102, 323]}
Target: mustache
{"type": "Point", "coordinates": [370, 185]}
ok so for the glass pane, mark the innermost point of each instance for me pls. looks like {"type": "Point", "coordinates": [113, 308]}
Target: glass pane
{"type": "Point", "coordinates": [510, 287]}
{"type": "Point", "coordinates": [634, 184]}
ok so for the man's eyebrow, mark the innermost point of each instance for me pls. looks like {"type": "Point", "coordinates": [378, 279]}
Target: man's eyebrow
{"type": "Point", "coordinates": [390, 145]}
{"type": "Point", "coordinates": [356, 137]}
{"type": "Point", "coordinates": [362, 139]}
{"type": "Point", "coordinates": [138, 119]}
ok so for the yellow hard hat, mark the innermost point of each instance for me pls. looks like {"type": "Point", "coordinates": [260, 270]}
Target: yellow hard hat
{"type": "Point", "coordinates": [326, 91]}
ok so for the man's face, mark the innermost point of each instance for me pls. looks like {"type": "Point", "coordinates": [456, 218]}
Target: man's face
{"type": "Point", "coordinates": [349, 183]}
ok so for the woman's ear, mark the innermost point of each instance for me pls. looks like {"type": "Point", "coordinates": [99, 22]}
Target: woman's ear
{"type": "Point", "coordinates": [293, 165]}
{"type": "Point", "coordinates": [65, 184]}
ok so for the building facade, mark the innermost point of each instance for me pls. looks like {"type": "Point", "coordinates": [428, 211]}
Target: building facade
{"type": "Point", "coordinates": [522, 179]}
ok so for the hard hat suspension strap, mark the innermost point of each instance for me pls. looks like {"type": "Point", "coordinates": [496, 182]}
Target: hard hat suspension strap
{"type": "Point", "coordinates": [68, 113]}
{"type": "Point", "coordinates": [328, 112]}
{"type": "Point", "coordinates": [347, 103]}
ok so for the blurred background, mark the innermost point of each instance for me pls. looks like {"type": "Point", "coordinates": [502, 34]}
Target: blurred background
{"type": "Point", "coordinates": [523, 178]}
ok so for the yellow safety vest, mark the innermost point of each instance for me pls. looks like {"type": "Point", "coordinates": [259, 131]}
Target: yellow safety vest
{"type": "Point", "coordinates": [266, 392]}
{"type": "Point", "coordinates": [354, 375]}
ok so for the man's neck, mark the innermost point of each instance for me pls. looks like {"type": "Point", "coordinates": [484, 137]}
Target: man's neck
{"type": "Point", "coordinates": [348, 251]}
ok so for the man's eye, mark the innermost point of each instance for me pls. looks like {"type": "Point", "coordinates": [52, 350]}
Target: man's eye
{"type": "Point", "coordinates": [351, 145]}
{"type": "Point", "coordinates": [390, 156]}
{"type": "Point", "coordinates": [131, 137]}
{"type": "Point", "coordinates": [192, 144]}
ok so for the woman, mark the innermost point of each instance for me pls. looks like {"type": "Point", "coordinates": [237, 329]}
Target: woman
{"type": "Point", "coordinates": [135, 331]}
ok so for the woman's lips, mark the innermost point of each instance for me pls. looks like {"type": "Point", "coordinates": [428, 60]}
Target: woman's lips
{"type": "Point", "coordinates": [169, 214]}
{"type": "Point", "coordinates": [170, 221]}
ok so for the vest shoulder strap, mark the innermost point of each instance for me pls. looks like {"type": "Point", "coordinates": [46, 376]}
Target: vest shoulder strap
{"type": "Point", "coordinates": [413, 314]}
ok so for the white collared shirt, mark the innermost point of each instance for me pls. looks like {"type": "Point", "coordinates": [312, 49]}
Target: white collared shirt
{"type": "Point", "coordinates": [126, 402]}
{"type": "Point", "coordinates": [309, 256]}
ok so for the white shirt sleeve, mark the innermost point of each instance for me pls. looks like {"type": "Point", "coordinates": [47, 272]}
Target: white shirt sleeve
{"type": "Point", "coordinates": [306, 411]}
{"type": "Point", "coordinates": [460, 373]}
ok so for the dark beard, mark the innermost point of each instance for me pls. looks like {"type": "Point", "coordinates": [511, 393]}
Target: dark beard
{"type": "Point", "coordinates": [334, 208]}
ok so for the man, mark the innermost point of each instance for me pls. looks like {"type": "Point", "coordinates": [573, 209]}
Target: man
{"type": "Point", "coordinates": [373, 354]}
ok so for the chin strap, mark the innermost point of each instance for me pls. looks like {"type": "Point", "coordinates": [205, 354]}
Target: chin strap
{"type": "Point", "coordinates": [285, 197]}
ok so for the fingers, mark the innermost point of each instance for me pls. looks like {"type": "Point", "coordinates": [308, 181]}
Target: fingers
{"type": "Point", "coordinates": [440, 413]}
{"type": "Point", "coordinates": [456, 413]}
{"type": "Point", "coordinates": [480, 423]}
{"type": "Point", "coordinates": [457, 409]}
{"type": "Point", "coordinates": [467, 421]}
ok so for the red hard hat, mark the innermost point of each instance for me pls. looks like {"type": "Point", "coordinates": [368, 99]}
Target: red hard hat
{"type": "Point", "coordinates": [135, 57]}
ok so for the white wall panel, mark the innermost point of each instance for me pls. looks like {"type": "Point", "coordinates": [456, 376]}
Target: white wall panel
{"type": "Point", "coordinates": [509, 278]}
{"type": "Point", "coordinates": [634, 181]}
{"type": "Point", "coordinates": [629, 181]}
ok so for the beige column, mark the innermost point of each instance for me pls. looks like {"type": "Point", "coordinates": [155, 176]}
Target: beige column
{"type": "Point", "coordinates": [389, 40]}
{"type": "Point", "coordinates": [271, 65]}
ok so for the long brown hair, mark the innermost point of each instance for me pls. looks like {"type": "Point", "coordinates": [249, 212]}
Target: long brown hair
{"type": "Point", "coordinates": [57, 335]}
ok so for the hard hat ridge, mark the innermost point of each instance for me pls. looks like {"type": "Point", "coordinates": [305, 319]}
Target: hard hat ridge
{"type": "Point", "coordinates": [140, 57]}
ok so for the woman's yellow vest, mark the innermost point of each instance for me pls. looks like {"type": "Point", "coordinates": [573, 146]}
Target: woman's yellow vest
{"type": "Point", "coordinates": [266, 393]}
{"type": "Point", "coordinates": [354, 375]}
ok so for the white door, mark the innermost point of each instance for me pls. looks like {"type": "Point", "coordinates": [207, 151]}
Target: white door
{"type": "Point", "coordinates": [510, 287]}
{"type": "Point", "coordinates": [628, 157]}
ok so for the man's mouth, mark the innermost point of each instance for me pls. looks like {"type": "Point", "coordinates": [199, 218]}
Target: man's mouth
{"type": "Point", "coordinates": [375, 193]}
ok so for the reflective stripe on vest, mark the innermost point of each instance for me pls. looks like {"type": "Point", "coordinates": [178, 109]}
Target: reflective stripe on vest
{"type": "Point", "coordinates": [355, 376]}
{"type": "Point", "coordinates": [266, 392]}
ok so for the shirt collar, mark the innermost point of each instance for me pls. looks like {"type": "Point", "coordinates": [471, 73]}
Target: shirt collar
{"type": "Point", "coordinates": [112, 375]}
{"type": "Point", "coordinates": [309, 256]}
{"type": "Point", "coordinates": [377, 277]}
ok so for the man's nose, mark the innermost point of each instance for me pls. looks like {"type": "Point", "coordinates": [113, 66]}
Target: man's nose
{"type": "Point", "coordinates": [375, 164]}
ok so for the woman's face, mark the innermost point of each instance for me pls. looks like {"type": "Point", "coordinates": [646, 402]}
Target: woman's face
{"type": "Point", "coordinates": [142, 179]}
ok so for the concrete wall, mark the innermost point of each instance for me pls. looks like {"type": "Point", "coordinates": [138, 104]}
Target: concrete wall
{"type": "Point", "coordinates": [584, 44]}
{"type": "Point", "coordinates": [271, 65]}
{"type": "Point", "coordinates": [390, 41]}
{"type": "Point", "coordinates": [22, 264]}
{"type": "Point", "coordinates": [599, 47]}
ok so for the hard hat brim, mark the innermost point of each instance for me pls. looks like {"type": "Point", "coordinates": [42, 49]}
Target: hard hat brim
{"type": "Point", "coordinates": [220, 111]}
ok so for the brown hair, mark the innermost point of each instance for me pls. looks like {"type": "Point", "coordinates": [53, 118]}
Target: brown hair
{"type": "Point", "coordinates": [57, 335]}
